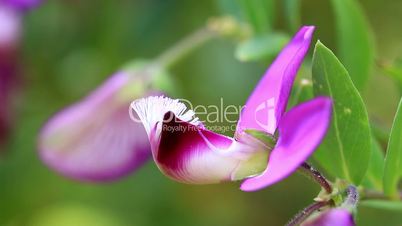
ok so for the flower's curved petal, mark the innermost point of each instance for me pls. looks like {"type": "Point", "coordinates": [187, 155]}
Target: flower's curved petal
{"type": "Point", "coordinates": [22, 4]}
{"type": "Point", "coordinates": [191, 154]}
{"type": "Point", "coordinates": [333, 217]}
{"type": "Point", "coordinates": [186, 151]}
{"type": "Point", "coordinates": [151, 111]}
{"type": "Point", "coordinates": [267, 103]}
{"type": "Point", "coordinates": [95, 139]}
{"type": "Point", "coordinates": [300, 132]}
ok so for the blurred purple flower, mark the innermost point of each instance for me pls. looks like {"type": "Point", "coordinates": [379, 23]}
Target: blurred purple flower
{"type": "Point", "coordinates": [187, 152]}
{"type": "Point", "coordinates": [10, 31]}
{"type": "Point", "coordinates": [21, 4]}
{"type": "Point", "coordinates": [10, 27]}
{"type": "Point", "coordinates": [8, 77]}
{"type": "Point", "coordinates": [11, 13]}
{"type": "Point", "coordinates": [332, 217]}
{"type": "Point", "coordinates": [94, 139]}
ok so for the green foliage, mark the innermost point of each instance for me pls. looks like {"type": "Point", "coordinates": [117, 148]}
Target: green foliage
{"type": "Point", "coordinates": [347, 148]}
{"type": "Point", "coordinates": [383, 204]}
{"type": "Point", "coordinates": [230, 7]}
{"type": "Point", "coordinates": [377, 212]}
{"type": "Point", "coordinates": [292, 13]}
{"type": "Point", "coordinates": [355, 44]}
{"type": "Point", "coordinates": [259, 13]}
{"type": "Point", "coordinates": [160, 78]}
{"type": "Point", "coordinates": [302, 90]}
{"type": "Point", "coordinates": [75, 214]}
{"type": "Point", "coordinates": [261, 47]}
{"type": "Point", "coordinates": [267, 139]}
{"type": "Point", "coordinates": [393, 158]}
{"type": "Point", "coordinates": [380, 132]}
{"type": "Point", "coordinates": [373, 177]}
{"type": "Point", "coordinates": [394, 70]}
{"type": "Point", "coordinates": [69, 49]}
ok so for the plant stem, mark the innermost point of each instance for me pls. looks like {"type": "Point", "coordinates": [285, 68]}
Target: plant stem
{"type": "Point", "coordinates": [184, 47]}
{"type": "Point", "coordinates": [306, 212]}
{"type": "Point", "coordinates": [316, 176]}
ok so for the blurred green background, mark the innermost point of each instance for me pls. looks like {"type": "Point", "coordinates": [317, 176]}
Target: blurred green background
{"type": "Point", "coordinates": [70, 47]}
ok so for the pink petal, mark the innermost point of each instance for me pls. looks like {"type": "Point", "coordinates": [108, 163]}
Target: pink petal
{"type": "Point", "coordinates": [10, 27]}
{"type": "Point", "coordinates": [95, 139]}
{"type": "Point", "coordinates": [300, 132]}
{"type": "Point", "coordinates": [333, 217]}
{"type": "Point", "coordinates": [191, 154]}
{"type": "Point", "coordinates": [265, 107]}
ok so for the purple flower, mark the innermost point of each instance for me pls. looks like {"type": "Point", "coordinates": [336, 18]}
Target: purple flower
{"type": "Point", "coordinates": [10, 27]}
{"type": "Point", "coordinates": [94, 139]}
{"type": "Point", "coordinates": [21, 4]}
{"type": "Point", "coordinates": [10, 32]}
{"type": "Point", "coordinates": [187, 152]}
{"type": "Point", "coordinates": [11, 13]}
{"type": "Point", "coordinates": [332, 217]}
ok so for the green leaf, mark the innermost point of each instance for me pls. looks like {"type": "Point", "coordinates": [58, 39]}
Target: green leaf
{"type": "Point", "coordinates": [355, 40]}
{"type": "Point", "coordinates": [346, 149]}
{"type": "Point", "coordinates": [261, 47]}
{"type": "Point", "coordinates": [292, 14]}
{"type": "Point", "coordinates": [393, 157]}
{"type": "Point", "coordinates": [259, 13]}
{"type": "Point", "coordinates": [383, 204]}
{"type": "Point", "coordinates": [373, 177]}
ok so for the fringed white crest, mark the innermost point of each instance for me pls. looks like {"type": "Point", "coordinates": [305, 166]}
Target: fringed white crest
{"type": "Point", "coordinates": [151, 111]}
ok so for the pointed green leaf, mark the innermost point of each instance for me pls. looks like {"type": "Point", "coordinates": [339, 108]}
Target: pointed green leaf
{"type": "Point", "coordinates": [355, 40]}
{"type": "Point", "coordinates": [393, 157]}
{"type": "Point", "coordinates": [261, 47]}
{"type": "Point", "coordinates": [346, 149]}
